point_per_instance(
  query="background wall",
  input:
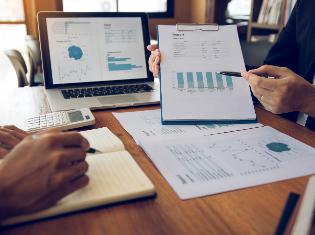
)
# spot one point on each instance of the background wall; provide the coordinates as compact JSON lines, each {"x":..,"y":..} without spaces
{"x":186,"y":11}
{"x":34,"y":6}
{"x":183,"y":14}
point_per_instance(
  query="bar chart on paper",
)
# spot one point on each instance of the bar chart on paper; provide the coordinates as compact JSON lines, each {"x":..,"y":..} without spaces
{"x":202,"y":81}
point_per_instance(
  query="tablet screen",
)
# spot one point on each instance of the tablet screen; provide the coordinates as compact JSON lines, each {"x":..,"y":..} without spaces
{"x":96,"y":49}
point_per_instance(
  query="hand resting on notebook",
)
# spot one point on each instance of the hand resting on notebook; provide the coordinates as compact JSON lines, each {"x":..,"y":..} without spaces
{"x":40,"y":170}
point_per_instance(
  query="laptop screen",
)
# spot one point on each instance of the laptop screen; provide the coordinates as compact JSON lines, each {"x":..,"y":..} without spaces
{"x":96,"y":49}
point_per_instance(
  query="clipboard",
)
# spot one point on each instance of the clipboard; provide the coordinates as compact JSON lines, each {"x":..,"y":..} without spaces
{"x":182,"y":47}
{"x":197,"y":27}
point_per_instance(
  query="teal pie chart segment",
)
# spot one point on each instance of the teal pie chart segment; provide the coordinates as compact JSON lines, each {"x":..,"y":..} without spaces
{"x":278,"y":147}
{"x":75,"y":52}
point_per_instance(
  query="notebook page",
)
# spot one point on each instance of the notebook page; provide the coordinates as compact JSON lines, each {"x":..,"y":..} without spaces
{"x":113,"y":177}
{"x":103,"y":139}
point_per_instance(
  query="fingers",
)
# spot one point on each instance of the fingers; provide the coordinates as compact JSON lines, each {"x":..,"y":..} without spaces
{"x":68,"y":174}
{"x":67,"y":189}
{"x":154,"y":62}
{"x":52,"y":197}
{"x":69,"y":156}
{"x":48,"y":131}
{"x":269,"y":70}
{"x":152,"y":47}
{"x":257,"y":81}
{"x":154,"y":54}
{"x":14,"y":134}
{"x":258,"y":86}
{"x":7,"y":139}
{"x":156,"y":66}
{"x":66,"y":139}
{"x":16,"y":131}
{"x":3,"y":152}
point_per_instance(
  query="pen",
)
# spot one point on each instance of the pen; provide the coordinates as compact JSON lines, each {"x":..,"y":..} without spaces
{"x":93,"y":150}
{"x":229,"y":73}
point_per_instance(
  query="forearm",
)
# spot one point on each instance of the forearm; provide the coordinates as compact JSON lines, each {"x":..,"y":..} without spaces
{"x":309,"y":104}
{"x":5,"y":195}
{"x":4,"y":211}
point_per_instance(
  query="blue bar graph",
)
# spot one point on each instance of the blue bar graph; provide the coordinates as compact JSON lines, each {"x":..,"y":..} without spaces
{"x":219,"y":80}
{"x":200,"y":80}
{"x":190,"y":79}
{"x":180,"y":80}
{"x":195,"y":80}
{"x":116,"y":62}
{"x":209,"y":80}
{"x":229,"y":82}
{"x":114,"y":59}
{"x":121,"y":67}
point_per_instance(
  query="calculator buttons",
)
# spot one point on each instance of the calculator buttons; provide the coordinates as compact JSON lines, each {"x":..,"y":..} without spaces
{"x":47,"y":121}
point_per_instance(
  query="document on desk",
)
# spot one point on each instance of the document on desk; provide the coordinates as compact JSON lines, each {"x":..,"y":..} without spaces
{"x":144,"y":125}
{"x":192,"y":89}
{"x":196,"y":167}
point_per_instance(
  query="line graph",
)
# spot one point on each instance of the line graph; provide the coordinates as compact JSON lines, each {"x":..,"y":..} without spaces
{"x":238,"y":156}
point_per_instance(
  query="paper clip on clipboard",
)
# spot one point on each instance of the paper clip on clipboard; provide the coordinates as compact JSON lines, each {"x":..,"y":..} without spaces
{"x":197,"y":27}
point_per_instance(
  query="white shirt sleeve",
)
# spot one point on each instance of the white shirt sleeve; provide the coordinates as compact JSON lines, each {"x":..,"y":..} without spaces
{"x":302,"y":117}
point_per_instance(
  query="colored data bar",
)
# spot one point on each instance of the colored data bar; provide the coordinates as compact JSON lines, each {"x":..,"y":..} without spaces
{"x":116,"y":62}
{"x":115,"y":59}
{"x":200,"y":80}
{"x":219,"y":80}
{"x":204,"y":80}
{"x":209,"y":80}
{"x":229,"y":82}
{"x":190,"y":79}
{"x":180,"y":80}
{"x":121,"y":67}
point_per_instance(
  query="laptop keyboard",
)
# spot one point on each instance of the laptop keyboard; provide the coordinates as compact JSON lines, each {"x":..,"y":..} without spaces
{"x":105,"y":91}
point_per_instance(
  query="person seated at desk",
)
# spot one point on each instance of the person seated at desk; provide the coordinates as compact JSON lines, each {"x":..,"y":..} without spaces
{"x":37,"y":171}
{"x":291,"y":61}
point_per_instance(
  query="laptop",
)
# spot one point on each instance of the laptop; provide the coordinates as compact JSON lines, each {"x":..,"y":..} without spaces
{"x":96,"y":60}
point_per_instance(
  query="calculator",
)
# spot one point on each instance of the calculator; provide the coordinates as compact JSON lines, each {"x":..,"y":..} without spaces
{"x":62,"y":120}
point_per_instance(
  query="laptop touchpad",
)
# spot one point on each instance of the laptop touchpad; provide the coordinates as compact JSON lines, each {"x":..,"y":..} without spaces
{"x":117,"y":99}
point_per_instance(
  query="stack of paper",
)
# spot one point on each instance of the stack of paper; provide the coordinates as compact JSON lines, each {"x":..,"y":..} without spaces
{"x":204,"y":160}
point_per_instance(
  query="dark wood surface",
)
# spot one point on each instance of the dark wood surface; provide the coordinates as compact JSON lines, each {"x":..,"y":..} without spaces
{"x":255,"y":210}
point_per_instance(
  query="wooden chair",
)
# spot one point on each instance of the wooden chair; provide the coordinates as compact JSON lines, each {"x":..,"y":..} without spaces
{"x":33,"y":49}
{"x":19,"y":65}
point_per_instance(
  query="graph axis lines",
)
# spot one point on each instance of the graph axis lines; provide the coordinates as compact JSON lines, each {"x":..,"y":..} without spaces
{"x":240,"y":155}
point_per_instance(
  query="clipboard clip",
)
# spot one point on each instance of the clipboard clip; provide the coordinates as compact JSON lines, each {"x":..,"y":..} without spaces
{"x":197,"y":27}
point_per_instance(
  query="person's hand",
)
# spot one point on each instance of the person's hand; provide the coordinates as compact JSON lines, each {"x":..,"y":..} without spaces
{"x":287,"y":92}
{"x":41,"y":170}
{"x":10,"y":136}
{"x":154,"y":60}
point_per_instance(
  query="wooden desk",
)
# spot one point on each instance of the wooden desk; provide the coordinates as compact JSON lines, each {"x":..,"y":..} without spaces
{"x":248,"y":211}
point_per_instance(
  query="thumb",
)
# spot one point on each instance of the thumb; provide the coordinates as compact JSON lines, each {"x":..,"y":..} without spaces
{"x":269,"y":71}
{"x":152,"y":47}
